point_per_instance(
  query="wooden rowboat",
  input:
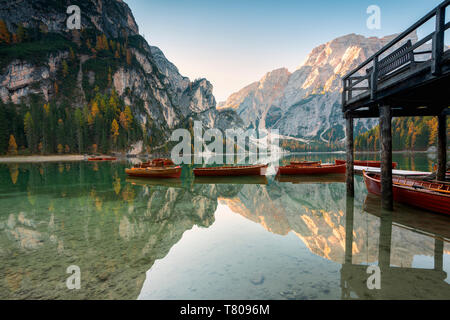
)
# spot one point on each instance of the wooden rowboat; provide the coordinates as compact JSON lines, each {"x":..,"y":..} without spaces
{"x":159,"y":162}
{"x":155,"y":172}
{"x":366,"y":163}
{"x":255,"y":170}
{"x":308,"y":169}
{"x":305,"y":163}
{"x":432,"y":196}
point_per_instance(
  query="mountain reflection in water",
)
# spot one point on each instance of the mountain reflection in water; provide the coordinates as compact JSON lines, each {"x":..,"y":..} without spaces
{"x":189,"y":239}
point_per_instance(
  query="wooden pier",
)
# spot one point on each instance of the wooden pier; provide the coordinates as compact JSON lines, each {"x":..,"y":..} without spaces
{"x":405,"y":173}
{"x":403,"y":79}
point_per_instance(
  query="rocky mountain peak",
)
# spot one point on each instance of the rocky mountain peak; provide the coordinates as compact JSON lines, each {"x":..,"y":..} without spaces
{"x":111,"y":17}
{"x":306,"y":103}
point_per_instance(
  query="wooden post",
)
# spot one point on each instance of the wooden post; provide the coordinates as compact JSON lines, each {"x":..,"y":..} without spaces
{"x":438,"y":41}
{"x":350,"y":179}
{"x":349,"y":213}
{"x":442,"y":147}
{"x":374,"y":79}
{"x":386,"y":157}
{"x":438,"y":254}
{"x":384,"y":246}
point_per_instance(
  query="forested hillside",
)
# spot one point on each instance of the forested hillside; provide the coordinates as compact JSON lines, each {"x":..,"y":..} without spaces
{"x":101,"y":88}
{"x":37,"y":125}
{"x":408,"y":133}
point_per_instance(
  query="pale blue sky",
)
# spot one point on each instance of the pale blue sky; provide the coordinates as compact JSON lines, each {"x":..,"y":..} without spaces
{"x":235,"y":42}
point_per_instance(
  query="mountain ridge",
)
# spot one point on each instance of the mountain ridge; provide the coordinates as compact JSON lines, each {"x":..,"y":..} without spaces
{"x":307,"y":103}
{"x":43,"y":61}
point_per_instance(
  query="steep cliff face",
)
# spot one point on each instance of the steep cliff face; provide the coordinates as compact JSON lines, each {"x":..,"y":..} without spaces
{"x":106,"y":55}
{"x":254,"y":101}
{"x":307,"y":103}
{"x":111,"y":17}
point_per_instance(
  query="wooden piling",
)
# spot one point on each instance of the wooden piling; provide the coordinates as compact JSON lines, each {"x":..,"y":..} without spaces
{"x":386,"y":157}
{"x":350,"y":174}
{"x":349,"y":214}
{"x":385,"y":239}
{"x":438,"y":254}
{"x":442,"y":147}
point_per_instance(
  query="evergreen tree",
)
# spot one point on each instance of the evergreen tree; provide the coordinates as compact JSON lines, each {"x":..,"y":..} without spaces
{"x":65,"y":68}
{"x":4,"y":131}
{"x":21,"y":33}
{"x":28,"y":126}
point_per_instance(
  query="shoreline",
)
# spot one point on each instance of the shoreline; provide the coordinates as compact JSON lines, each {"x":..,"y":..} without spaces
{"x":79,"y":157}
{"x":49,"y":158}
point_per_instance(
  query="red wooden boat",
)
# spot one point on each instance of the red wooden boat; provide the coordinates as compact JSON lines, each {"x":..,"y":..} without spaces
{"x":155,"y":172}
{"x":255,"y":170}
{"x":311,"y":169}
{"x":366,"y":163}
{"x":432,"y":196}
{"x":102,"y":159}
{"x":305,"y":163}
{"x":159,"y":162}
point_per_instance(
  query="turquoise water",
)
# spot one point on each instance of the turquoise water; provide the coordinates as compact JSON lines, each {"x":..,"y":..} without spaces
{"x":235,"y":239}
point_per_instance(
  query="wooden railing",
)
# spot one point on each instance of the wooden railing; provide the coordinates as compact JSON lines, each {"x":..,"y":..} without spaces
{"x":379,"y":70}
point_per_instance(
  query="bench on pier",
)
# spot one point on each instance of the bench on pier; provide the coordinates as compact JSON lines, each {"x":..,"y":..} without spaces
{"x":400,"y":57}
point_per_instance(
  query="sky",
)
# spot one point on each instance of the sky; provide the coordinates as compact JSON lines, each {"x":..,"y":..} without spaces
{"x":233,"y":43}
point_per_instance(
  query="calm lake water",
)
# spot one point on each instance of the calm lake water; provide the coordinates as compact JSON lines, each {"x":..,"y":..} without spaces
{"x":260,"y":238}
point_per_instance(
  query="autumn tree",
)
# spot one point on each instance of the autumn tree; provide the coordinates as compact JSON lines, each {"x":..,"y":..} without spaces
{"x":433,"y":124}
{"x":105,"y":42}
{"x":126,"y":118}
{"x":5,"y":36}
{"x":72,"y":54}
{"x":12,"y":148}
{"x":123,"y":120}
{"x":114,"y":130}
{"x":94,"y":109}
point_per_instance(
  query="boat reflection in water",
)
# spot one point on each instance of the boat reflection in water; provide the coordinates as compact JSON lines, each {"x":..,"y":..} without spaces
{"x":397,"y":282}
{"x":255,"y":238}
{"x":168,"y":182}
{"x":305,"y":179}
{"x":238,"y":180}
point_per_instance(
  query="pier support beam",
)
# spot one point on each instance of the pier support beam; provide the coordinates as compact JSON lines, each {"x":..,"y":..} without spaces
{"x":350,"y":174}
{"x":349,"y":214}
{"x":386,"y":157}
{"x":442,"y":147}
{"x":438,"y":254}
{"x":384,"y":246}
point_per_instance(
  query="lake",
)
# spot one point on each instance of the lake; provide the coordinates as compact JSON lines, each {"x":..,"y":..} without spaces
{"x":251,"y":238}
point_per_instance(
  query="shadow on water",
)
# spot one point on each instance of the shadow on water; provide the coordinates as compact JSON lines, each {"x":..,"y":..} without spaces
{"x":115,"y":228}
